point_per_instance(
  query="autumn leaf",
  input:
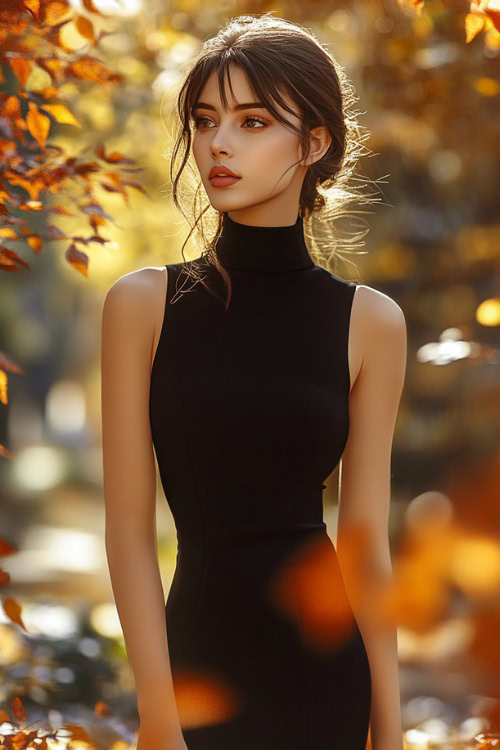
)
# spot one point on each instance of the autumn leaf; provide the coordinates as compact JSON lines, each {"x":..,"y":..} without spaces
{"x":474,"y":23}
{"x":4,"y":577}
{"x":38,"y":124}
{"x":85,"y":28}
{"x":79,"y":735}
{"x":13,"y":611}
{"x":21,"y":68}
{"x":61,"y":114}
{"x":5,"y":452}
{"x":17,"y":707}
{"x":102,"y":709}
{"x":3,"y":387}
{"x":8,"y":364}
{"x":78,"y":260}
{"x":6,"y":548}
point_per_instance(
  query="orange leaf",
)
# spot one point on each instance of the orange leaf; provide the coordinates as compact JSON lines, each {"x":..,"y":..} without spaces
{"x":114,"y":158}
{"x":21,"y":67}
{"x":79,"y":734}
{"x":6,"y":548}
{"x":17,"y":707}
{"x":102,"y":709}
{"x":3,"y":387}
{"x":38,"y":124}
{"x":13,"y":611}
{"x":11,"y":108}
{"x":4,"y":577}
{"x":85,"y":28}
{"x":5,"y":452}
{"x":89,"y":69}
{"x":61,"y":114}
{"x":4,"y":716}
{"x":55,"y":12}
{"x":78,"y":260}
{"x":35,"y":242}
{"x":10,"y":366}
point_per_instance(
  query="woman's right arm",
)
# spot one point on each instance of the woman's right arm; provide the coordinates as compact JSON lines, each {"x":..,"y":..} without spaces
{"x":128,"y":326}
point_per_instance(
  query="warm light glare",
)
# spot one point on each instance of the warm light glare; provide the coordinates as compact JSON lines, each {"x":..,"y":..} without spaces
{"x":39,"y":467}
{"x":475,"y":565}
{"x":123,"y":8}
{"x":429,"y":507}
{"x":105,"y":621}
{"x":50,"y":620}
{"x":60,"y":549}
{"x":444,"y":352}
{"x":488,"y":312}
{"x":65,"y":407}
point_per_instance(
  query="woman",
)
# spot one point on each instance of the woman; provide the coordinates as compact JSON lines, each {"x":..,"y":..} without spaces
{"x":250,"y":399}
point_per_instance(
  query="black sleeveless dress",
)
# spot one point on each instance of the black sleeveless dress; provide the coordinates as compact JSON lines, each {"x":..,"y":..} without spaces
{"x":249,"y":415}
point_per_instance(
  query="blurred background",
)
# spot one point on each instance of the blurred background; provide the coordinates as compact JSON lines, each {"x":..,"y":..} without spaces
{"x":426,"y":74}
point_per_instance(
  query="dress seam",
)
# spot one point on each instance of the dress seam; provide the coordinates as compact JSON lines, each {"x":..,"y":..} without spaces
{"x":304,"y":672}
{"x":190,"y":623}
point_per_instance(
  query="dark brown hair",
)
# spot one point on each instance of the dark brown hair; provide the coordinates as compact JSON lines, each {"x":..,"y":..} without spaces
{"x":276,"y":55}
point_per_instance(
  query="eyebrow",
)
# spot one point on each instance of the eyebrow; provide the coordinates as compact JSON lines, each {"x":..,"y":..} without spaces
{"x":238,"y":108}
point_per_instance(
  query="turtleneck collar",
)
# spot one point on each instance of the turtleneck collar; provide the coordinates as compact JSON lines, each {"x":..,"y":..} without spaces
{"x":255,"y":248}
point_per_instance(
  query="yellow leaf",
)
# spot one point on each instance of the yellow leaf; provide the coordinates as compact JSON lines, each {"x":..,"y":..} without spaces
{"x":38,"y":124}
{"x":61,"y":114}
{"x":474,"y":23}
{"x":8,"y":233}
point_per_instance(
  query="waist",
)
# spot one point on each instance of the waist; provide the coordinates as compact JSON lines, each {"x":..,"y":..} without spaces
{"x":217,"y":538}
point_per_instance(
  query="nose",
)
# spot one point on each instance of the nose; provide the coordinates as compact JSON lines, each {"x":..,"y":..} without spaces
{"x":220,"y":144}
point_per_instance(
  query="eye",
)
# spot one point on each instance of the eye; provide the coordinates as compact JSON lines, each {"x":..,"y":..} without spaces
{"x":256,"y":119}
{"x":198,"y":122}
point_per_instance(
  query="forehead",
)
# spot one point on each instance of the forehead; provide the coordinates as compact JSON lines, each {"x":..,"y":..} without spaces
{"x":240,"y":85}
{"x":242,"y":91}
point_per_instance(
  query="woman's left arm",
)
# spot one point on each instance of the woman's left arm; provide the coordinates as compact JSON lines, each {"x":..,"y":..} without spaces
{"x":378,"y":327}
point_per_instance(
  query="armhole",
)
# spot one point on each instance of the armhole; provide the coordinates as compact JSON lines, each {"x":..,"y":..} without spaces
{"x":167,"y":294}
{"x":349,"y":349}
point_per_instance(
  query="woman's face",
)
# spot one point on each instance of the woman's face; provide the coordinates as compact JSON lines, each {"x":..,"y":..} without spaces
{"x":254,"y":145}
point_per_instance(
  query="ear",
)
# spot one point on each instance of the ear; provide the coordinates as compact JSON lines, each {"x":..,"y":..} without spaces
{"x":319,"y":139}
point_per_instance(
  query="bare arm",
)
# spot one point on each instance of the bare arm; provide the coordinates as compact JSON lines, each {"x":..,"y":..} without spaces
{"x":128,"y":326}
{"x":378,"y":326}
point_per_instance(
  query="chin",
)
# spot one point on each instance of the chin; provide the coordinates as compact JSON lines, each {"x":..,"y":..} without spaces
{"x":228,"y":205}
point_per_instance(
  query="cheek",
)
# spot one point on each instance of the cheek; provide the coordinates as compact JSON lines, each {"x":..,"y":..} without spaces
{"x":272,"y":153}
{"x":195,"y":148}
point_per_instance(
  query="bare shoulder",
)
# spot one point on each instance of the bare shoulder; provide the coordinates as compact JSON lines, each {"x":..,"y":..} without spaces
{"x":137,"y":297}
{"x":378,"y":318}
{"x":136,"y":287}
{"x":133,"y":311}
{"x":378,"y":311}
{"x":379,"y":330}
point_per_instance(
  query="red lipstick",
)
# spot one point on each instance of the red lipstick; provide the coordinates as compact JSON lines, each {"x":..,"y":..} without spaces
{"x":221,"y":176}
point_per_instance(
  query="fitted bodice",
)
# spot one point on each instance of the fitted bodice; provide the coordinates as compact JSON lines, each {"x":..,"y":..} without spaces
{"x":249,"y":406}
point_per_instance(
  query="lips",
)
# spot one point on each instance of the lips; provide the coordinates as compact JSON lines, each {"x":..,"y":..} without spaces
{"x":215,"y":171}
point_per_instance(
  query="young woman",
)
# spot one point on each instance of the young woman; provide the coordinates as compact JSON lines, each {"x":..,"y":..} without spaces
{"x":253,"y":370}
